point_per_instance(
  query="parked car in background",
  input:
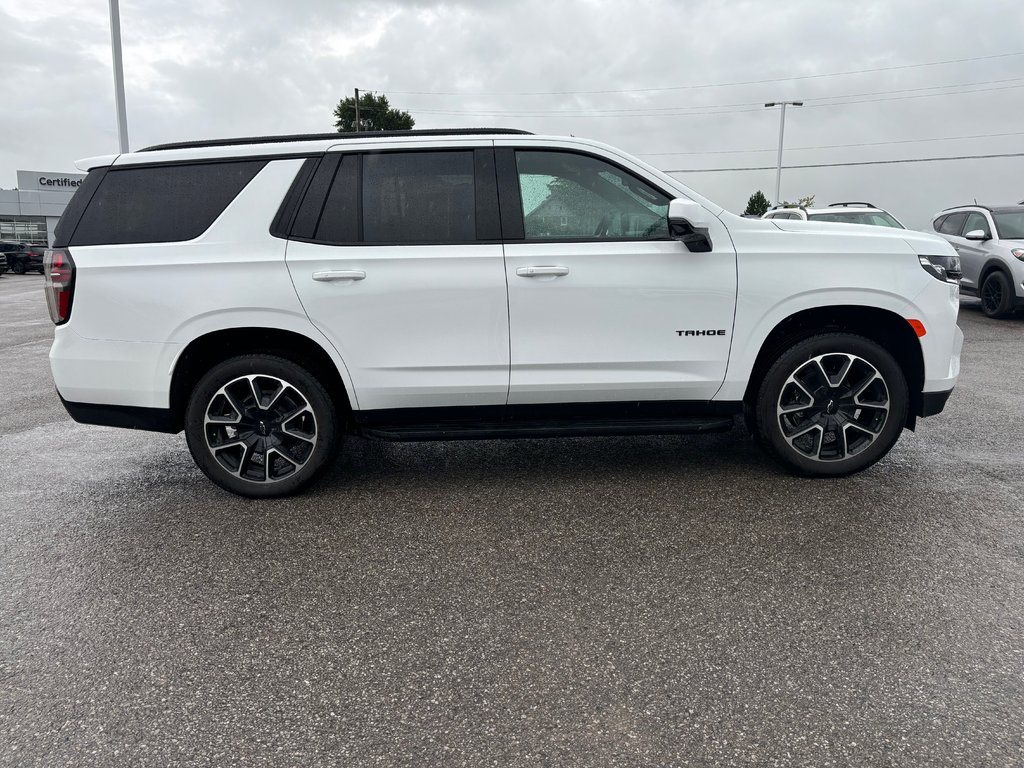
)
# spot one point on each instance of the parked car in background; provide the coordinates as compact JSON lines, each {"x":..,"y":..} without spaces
{"x":23,"y":257}
{"x":842,"y":213}
{"x":990,"y":244}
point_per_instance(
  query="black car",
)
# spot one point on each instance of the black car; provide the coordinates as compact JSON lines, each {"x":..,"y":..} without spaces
{"x":23,"y":257}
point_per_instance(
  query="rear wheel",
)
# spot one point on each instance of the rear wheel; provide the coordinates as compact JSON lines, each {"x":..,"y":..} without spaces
{"x":831,"y":405}
{"x":997,"y":295}
{"x":261,"y":426}
{"x":18,"y":267}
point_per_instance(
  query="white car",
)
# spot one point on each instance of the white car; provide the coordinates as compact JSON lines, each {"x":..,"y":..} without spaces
{"x":842,"y":213}
{"x":268,"y":296}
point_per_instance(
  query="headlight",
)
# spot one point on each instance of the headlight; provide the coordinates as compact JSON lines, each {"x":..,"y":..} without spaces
{"x":945,"y":268}
{"x":1018,"y":252}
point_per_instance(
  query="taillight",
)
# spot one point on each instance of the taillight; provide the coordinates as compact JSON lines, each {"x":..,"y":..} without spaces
{"x":59,"y":271}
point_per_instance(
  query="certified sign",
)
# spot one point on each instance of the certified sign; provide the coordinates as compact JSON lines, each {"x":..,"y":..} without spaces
{"x":44,"y":180}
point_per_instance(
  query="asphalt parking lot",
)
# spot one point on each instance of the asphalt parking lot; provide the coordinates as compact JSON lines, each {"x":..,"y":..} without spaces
{"x":608,"y":601}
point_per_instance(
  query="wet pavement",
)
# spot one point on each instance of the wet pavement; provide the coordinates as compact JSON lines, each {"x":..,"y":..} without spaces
{"x":573,"y":602}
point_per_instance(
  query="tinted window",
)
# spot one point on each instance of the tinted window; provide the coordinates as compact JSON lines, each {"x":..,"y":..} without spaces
{"x":570,"y":196}
{"x":161,"y":204}
{"x":975,"y":221}
{"x":937,"y":224}
{"x":859,"y":217}
{"x":418,"y":197}
{"x":339,"y":222}
{"x":953,"y":224}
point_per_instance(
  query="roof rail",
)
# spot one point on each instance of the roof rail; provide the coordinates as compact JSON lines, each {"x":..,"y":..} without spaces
{"x":853,"y":202}
{"x":781,"y":207}
{"x":966,"y":205}
{"x":330,"y":136}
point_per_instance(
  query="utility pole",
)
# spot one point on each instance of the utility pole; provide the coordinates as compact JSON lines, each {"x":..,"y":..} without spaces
{"x":782,"y":131}
{"x":357,"y":109}
{"x":115,"y":46}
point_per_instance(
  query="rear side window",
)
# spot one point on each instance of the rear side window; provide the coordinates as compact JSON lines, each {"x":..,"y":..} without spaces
{"x":418,"y":197}
{"x":953,"y":224}
{"x":160,"y":204}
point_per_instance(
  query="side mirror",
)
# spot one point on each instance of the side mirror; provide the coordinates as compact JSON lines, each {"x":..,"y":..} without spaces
{"x":976,"y":234}
{"x":688,"y":222}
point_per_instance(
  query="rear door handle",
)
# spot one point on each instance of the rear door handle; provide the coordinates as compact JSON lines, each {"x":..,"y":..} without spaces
{"x":330,"y":275}
{"x":542,"y":271}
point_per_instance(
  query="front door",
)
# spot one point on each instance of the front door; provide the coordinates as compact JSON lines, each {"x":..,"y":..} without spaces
{"x":603,"y":305}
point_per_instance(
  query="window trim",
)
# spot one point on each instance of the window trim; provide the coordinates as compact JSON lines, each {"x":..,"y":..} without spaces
{"x":512,"y":206}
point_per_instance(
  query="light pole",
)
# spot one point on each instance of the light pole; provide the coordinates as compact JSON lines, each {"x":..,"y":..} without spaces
{"x":115,"y":47}
{"x":782,"y":131}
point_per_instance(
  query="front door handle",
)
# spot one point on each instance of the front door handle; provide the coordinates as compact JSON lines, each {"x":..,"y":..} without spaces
{"x":542,"y":271}
{"x":330,"y":275}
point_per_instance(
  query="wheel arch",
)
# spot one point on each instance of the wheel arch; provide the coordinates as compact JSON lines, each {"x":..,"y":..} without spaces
{"x":885,"y":327}
{"x":993,"y":265}
{"x":209,"y":349}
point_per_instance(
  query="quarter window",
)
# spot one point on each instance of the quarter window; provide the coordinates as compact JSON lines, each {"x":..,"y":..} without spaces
{"x":161,"y":204}
{"x":577,"y":197}
{"x":418,"y":197}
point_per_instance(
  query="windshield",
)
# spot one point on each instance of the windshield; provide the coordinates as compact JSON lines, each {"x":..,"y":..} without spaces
{"x":1010,"y":226}
{"x":874,"y":218}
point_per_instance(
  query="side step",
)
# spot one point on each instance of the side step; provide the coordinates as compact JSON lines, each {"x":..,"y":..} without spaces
{"x":523,"y":429}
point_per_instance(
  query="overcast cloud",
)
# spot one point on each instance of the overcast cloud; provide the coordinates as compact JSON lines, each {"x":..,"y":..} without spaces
{"x":227,"y":67}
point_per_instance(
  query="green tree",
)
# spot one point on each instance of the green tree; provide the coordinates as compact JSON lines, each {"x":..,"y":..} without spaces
{"x":757,"y":205}
{"x":804,"y":202}
{"x":375,"y":114}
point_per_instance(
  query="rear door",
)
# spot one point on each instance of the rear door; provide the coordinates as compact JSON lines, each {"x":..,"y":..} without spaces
{"x":952,"y":227}
{"x":603,"y":305}
{"x":397,"y":259}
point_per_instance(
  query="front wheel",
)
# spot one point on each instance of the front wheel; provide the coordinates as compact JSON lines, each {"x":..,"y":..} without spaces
{"x":997,"y":295}
{"x":831,"y":405}
{"x":18,"y":267}
{"x":261,"y":426}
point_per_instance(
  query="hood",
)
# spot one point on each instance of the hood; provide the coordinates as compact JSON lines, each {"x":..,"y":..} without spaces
{"x":923,"y":243}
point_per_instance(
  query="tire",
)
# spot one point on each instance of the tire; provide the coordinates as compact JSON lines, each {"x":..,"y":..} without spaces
{"x":831,"y":405}
{"x":18,"y":267}
{"x":997,"y":297}
{"x":261,"y":426}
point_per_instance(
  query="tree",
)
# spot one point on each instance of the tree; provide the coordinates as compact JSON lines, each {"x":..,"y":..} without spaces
{"x":757,"y":205}
{"x":804,"y":202}
{"x":375,"y":114}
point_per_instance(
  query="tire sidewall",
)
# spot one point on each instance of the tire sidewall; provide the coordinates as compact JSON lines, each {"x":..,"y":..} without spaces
{"x":1004,"y":306}
{"x":770,"y":432}
{"x":328,"y":426}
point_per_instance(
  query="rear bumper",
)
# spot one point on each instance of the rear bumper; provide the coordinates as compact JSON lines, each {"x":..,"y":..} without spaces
{"x":123,"y":416}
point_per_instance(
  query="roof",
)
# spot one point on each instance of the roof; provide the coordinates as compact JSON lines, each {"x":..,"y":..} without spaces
{"x":245,"y":140}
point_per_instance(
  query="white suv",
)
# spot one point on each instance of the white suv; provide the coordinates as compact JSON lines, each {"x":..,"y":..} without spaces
{"x":842,"y":213}
{"x":268,"y":296}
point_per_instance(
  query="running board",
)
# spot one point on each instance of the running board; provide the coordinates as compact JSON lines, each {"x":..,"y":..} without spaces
{"x":524,"y":429}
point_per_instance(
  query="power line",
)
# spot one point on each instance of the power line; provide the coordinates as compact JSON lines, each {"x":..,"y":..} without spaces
{"x":758,"y":103}
{"x":709,"y":85}
{"x":843,"y":165}
{"x":652,"y":113}
{"x":832,"y":146}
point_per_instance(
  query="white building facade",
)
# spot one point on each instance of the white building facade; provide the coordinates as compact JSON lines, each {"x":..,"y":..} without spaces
{"x":30,"y":212}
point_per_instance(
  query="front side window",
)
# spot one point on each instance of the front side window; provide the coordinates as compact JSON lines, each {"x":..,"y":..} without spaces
{"x":977,"y":221}
{"x":578,"y":197}
{"x":418,"y":197}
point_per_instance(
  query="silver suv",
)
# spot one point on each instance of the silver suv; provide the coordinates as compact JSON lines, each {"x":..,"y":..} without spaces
{"x":990,"y":242}
{"x":842,"y":213}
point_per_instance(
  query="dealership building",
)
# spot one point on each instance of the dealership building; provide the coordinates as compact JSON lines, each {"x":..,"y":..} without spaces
{"x":29,"y":213}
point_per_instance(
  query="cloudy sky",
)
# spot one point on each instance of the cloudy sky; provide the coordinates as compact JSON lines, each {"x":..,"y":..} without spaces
{"x":669,"y":81}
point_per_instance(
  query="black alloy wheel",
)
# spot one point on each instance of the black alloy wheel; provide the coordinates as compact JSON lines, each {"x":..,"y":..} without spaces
{"x":996,"y":295}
